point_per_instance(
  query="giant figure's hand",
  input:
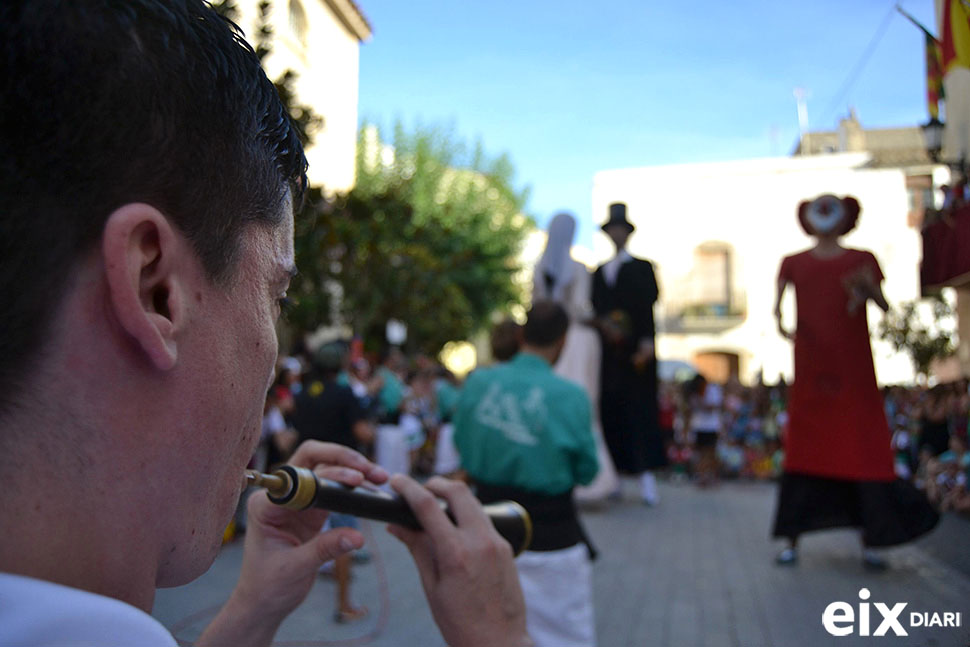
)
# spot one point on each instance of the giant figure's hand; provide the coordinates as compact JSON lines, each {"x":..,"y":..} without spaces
{"x":644,"y":355}
{"x":284,"y":549}
{"x":861,"y":286}
{"x":466,"y":567}
{"x":784,"y":332}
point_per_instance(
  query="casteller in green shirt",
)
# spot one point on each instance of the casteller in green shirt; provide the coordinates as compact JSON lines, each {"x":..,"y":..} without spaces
{"x":392,"y":393}
{"x":520,"y":425}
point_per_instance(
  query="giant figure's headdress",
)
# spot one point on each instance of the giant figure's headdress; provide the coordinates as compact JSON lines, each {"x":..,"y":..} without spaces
{"x":829,"y":214}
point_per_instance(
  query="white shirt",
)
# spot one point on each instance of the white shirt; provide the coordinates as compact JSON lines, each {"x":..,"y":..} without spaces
{"x":612,"y":268}
{"x":706,"y":414}
{"x":35,"y":612}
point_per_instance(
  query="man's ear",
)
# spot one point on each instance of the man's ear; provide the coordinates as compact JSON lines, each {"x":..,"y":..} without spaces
{"x":141,"y":252}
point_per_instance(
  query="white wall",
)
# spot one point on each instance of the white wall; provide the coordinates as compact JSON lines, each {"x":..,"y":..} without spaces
{"x":327,"y":64}
{"x":752,"y":206}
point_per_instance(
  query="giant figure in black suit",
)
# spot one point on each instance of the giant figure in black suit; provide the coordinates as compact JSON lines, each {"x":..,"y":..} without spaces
{"x":624,"y":291}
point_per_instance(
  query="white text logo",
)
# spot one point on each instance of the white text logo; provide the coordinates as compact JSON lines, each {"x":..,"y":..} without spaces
{"x":842,"y":619}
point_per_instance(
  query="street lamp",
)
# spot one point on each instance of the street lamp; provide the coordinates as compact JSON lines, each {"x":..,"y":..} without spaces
{"x":933,"y":137}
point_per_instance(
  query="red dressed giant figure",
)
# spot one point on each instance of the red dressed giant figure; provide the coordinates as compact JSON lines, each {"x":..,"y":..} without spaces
{"x":838,"y":461}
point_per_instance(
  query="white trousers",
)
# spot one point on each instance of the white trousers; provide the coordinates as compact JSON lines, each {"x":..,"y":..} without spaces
{"x":446,"y":458}
{"x":558,"y":589}
{"x":391,"y":451}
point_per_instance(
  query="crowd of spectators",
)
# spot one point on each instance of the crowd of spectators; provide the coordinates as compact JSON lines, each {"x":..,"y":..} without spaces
{"x":398,"y":411}
{"x":930,"y":429}
{"x":717,"y":431}
{"x":712,"y":431}
{"x":403,"y":406}
{"x":393,"y":409}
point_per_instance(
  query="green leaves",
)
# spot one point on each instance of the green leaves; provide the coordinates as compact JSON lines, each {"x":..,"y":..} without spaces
{"x":430,"y":236}
{"x":923,"y":329}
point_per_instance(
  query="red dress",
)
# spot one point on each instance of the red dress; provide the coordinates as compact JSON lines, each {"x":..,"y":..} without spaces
{"x":837,"y":425}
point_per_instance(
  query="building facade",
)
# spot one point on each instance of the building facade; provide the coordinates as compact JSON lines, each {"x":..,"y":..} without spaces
{"x":717,"y":233}
{"x":318,"y":40}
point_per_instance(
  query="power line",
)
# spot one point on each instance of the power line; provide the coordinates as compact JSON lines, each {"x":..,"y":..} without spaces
{"x":854,"y":74}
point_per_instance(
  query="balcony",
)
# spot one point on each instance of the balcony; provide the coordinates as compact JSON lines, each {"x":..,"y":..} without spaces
{"x":946,"y":251}
{"x":703,"y":316}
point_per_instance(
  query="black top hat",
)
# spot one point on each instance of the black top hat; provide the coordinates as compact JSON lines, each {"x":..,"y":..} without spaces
{"x":618,"y":217}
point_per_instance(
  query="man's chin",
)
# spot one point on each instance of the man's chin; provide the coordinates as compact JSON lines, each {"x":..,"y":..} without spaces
{"x":194,"y":562}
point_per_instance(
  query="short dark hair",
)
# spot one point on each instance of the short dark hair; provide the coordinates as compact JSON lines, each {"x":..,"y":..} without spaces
{"x":106,"y":103}
{"x":329,"y":358}
{"x":505,"y":340}
{"x":546,"y":324}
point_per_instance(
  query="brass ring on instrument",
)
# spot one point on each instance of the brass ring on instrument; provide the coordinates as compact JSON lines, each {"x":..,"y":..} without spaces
{"x":306,"y":489}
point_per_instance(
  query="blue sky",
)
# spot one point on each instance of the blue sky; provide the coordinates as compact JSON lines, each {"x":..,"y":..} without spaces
{"x":570,"y":88}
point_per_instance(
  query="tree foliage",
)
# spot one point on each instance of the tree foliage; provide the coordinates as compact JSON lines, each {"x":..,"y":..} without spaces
{"x":922,"y":329}
{"x":430,"y":236}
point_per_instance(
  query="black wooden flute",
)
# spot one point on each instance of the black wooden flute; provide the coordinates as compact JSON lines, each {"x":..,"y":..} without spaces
{"x":298,"y":488}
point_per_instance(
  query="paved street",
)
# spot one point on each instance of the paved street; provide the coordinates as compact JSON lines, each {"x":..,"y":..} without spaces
{"x":697,"y":570}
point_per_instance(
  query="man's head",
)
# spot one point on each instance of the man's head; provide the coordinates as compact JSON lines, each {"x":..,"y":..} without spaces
{"x":505,"y":340}
{"x":545,"y":329}
{"x":330,"y":358}
{"x":360,"y":368}
{"x":148,"y":177}
{"x":618,"y":234}
{"x":108,"y":103}
{"x":393,"y":358}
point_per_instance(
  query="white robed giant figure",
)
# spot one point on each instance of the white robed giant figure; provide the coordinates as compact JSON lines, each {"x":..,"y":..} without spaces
{"x":560,"y":278}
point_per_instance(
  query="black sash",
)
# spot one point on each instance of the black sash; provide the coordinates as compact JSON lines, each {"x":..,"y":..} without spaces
{"x":555,"y":519}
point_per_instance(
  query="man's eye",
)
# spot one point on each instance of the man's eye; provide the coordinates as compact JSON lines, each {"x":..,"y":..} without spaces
{"x":285,"y":304}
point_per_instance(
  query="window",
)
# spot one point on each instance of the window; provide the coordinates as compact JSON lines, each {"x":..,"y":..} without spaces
{"x":706,"y":298}
{"x":710,"y":281}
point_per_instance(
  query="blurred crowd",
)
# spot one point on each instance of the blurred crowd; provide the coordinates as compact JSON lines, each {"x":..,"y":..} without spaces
{"x":719,"y":431}
{"x":401,"y":407}
{"x":398,"y":411}
{"x":731,"y":431}
{"x":929,"y":429}
{"x":716,"y":431}
{"x":712,"y":431}
{"x":404,"y":408}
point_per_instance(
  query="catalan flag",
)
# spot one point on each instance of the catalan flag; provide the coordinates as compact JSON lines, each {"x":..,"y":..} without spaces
{"x":934,"y":66}
{"x":956,"y":34}
{"x":934,"y":75}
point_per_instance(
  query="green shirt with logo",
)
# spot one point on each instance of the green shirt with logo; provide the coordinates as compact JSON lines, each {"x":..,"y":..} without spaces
{"x":520,"y":425}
